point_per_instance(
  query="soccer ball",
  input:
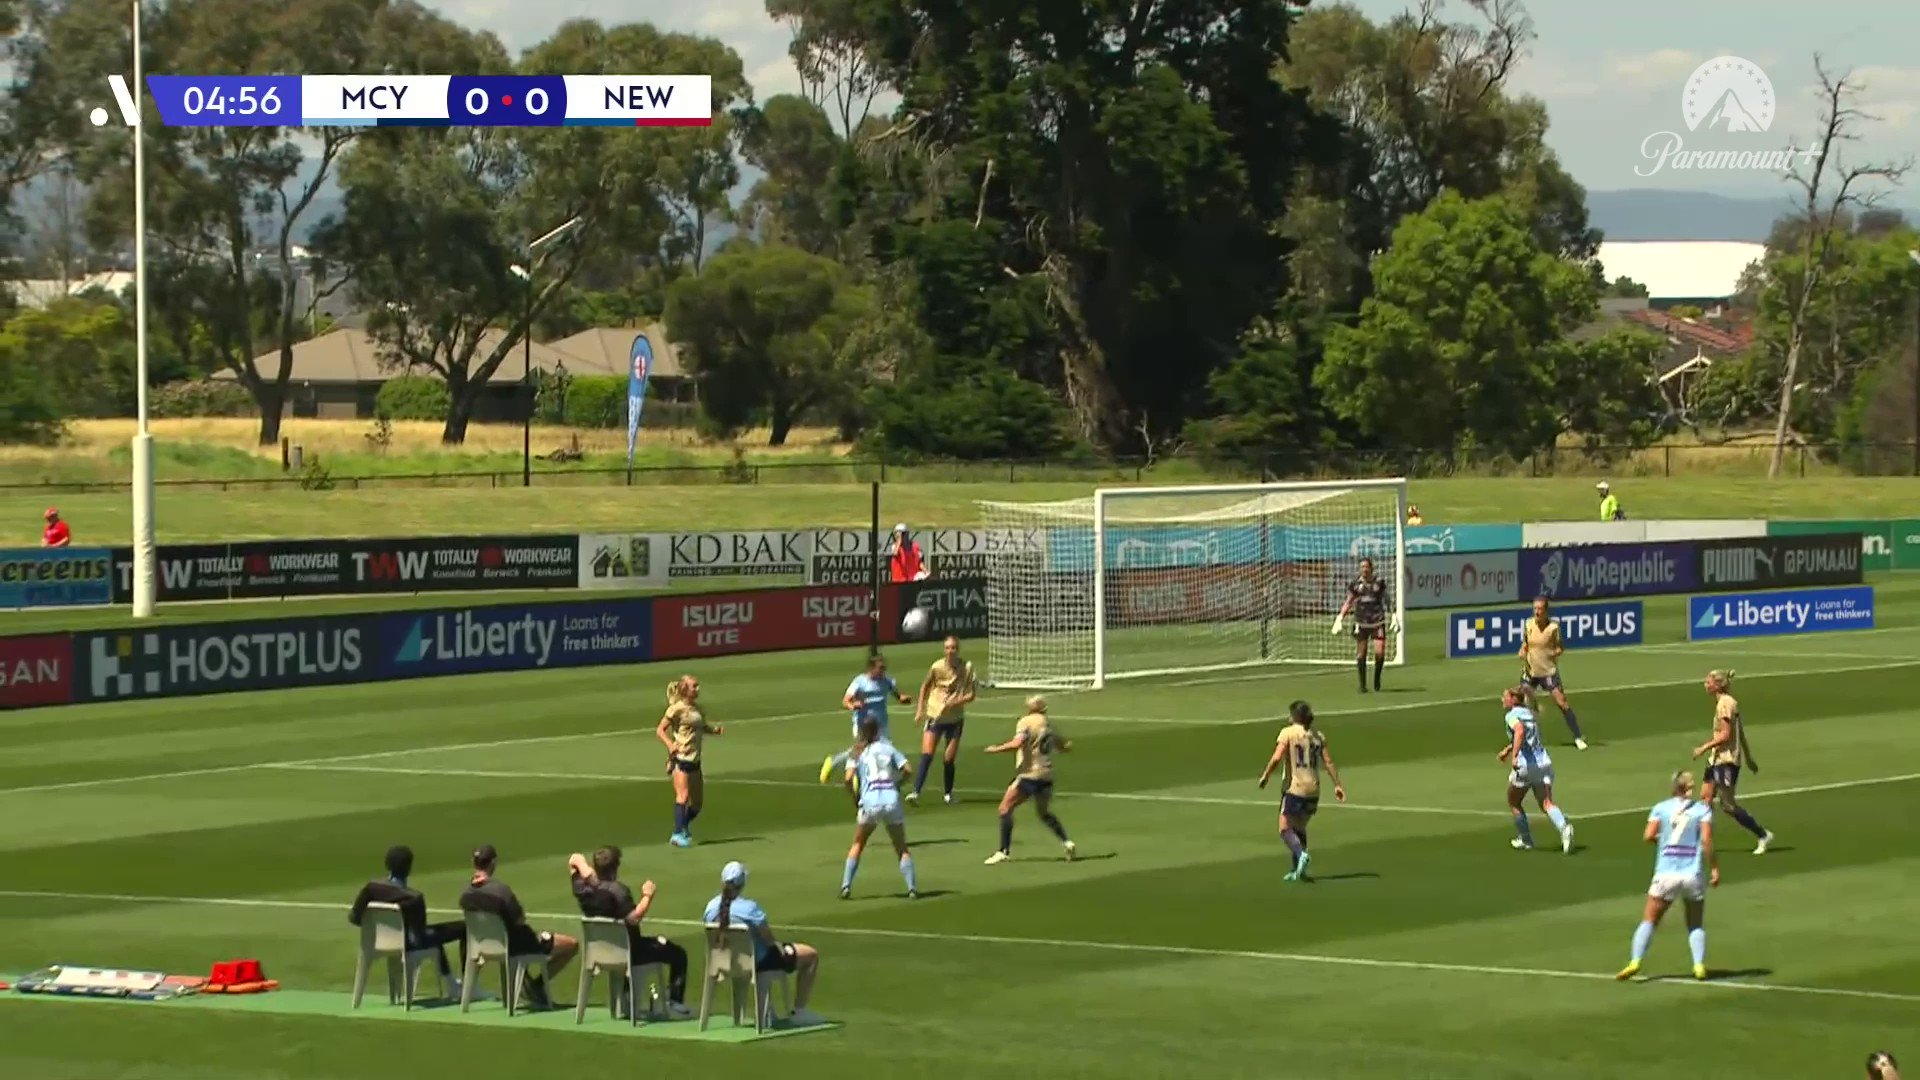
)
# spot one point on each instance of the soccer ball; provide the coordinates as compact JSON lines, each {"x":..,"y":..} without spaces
{"x":914,"y":625}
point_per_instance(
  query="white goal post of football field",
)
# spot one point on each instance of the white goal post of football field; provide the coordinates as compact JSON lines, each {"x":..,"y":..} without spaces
{"x":1143,"y":581}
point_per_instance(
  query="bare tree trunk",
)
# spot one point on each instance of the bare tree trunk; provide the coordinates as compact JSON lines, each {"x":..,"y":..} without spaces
{"x":1839,"y":121}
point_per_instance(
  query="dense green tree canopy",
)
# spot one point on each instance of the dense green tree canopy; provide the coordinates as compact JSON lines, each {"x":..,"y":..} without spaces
{"x":1458,"y":344}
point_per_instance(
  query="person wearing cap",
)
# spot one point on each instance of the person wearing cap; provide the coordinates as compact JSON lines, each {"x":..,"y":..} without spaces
{"x":492,"y":896}
{"x":602,"y":895}
{"x":769,"y":953}
{"x":56,"y":533}
{"x":421,"y":934}
{"x":1609,"y":504}
{"x":1413,"y":515}
{"x":904,"y":562}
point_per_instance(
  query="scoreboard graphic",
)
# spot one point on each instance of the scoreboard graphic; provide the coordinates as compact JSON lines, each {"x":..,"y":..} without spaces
{"x":429,"y":100}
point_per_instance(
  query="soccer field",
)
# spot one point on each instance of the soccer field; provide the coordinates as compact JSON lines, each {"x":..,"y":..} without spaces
{"x":174,"y":833}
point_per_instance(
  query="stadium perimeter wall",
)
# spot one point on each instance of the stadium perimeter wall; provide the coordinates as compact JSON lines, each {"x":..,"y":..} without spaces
{"x":1581,"y":561}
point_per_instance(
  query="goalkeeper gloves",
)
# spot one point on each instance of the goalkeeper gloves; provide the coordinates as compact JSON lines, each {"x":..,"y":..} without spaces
{"x":1337,"y":620}
{"x":1394,"y":622}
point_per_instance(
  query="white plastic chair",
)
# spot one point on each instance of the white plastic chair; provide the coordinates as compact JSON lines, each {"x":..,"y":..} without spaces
{"x":606,"y":949}
{"x":487,"y":941}
{"x":730,"y":959}
{"x":383,"y":933}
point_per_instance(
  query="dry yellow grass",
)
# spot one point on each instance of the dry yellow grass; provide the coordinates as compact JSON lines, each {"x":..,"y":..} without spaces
{"x":328,"y":437}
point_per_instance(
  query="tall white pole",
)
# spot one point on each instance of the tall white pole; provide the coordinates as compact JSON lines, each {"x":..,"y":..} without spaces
{"x":143,"y":554}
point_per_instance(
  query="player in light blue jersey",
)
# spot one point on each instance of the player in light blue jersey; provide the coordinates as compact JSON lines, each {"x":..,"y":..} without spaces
{"x":1532,"y":771}
{"x":1686,"y":867}
{"x":867,"y":696}
{"x":874,"y":773}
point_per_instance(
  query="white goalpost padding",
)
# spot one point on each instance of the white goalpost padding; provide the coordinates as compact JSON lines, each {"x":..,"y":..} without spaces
{"x":1166,"y":580}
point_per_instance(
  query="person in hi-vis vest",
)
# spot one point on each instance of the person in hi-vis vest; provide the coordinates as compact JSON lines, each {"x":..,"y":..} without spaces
{"x":1609,"y":505}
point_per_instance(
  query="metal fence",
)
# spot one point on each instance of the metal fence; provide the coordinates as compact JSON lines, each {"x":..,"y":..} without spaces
{"x":1729,"y":459}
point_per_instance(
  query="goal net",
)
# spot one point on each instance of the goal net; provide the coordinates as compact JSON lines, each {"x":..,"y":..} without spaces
{"x":1164,"y":580}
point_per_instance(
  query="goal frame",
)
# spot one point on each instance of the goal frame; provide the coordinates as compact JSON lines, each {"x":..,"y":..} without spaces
{"x":1102,"y":496}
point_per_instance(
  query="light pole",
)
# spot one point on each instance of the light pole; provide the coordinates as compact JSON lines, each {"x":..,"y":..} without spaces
{"x":144,"y":578}
{"x":535,"y":252}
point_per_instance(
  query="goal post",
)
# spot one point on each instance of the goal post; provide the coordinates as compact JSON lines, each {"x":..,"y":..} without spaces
{"x":1132,"y":582}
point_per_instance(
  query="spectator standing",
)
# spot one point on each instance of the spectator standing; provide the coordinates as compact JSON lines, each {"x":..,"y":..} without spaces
{"x":56,"y":534}
{"x":904,"y":560}
{"x":602,"y":895}
{"x":421,"y":934}
{"x":491,"y":895}
{"x":1609,"y":504}
{"x":1413,"y":515}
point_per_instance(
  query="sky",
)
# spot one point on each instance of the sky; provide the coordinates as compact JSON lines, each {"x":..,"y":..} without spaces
{"x":1611,"y":74}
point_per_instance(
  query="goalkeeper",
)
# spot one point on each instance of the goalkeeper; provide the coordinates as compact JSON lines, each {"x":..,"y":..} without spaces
{"x":1367,"y":602}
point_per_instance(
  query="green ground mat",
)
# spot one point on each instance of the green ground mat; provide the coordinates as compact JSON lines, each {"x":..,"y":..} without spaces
{"x":485,"y":1013}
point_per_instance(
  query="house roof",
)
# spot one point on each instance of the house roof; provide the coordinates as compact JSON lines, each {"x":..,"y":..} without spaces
{"x":350,"y":356}
{"x":1681,"y":269}
{"x":605,"y":351}
{"x":1712,"y":340}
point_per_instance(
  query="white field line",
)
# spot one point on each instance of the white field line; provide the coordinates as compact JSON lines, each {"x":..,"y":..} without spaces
{"x":754,"y":781}
{"x":1426,"y":703}
{"x":1118,"y":796}
{"x":1806,"y":789}
{"x":1324,"y":960}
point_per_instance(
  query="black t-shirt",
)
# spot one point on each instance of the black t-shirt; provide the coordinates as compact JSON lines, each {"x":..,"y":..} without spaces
{"x":607,"y":900}
{"x":493,"y":897}
{"x":413,"y":905}
{"x":1369,"y":601}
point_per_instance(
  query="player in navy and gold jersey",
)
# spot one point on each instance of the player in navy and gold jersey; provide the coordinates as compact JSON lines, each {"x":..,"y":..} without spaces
{"x":1540,"y":650}
{"x":944,"y":695}
{"x":1368,"y":601}
{"x":683,"y":729}
{"x":1726,"y":752}
{"x":1303,"y":752}
{"x":1036,"y":739}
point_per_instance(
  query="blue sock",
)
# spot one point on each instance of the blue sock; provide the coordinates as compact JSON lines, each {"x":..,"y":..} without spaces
{"x":1573,"y":723}
{"x":1006,"y":832}
{"x":680,"y":818}
{"x":846,"y":875}
{"x":906,"y":871}
{"x":946,"y":768}
{"x":1697,"y":944}
{"x":1642,"y":937}
{"x":1554,"y":815}
{"x":920,"y":775}
{"x":693,"y":814}
{"x":1746,"y":821}
{"x":1520,"y":826}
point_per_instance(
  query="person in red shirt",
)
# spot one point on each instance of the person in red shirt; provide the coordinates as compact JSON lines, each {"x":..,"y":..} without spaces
{"x":904,"y":562}
{"x":56,"y":534}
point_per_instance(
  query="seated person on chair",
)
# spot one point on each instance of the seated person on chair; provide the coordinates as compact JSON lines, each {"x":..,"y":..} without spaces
{"x":421,"y":934}
{"x":602,"y":895}
{"x":730,"y":908}
{"x":490,"y":895}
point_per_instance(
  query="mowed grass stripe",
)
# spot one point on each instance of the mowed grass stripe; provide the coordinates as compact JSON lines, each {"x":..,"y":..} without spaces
{"x":560,"y":918}
{"x":29,"y":766}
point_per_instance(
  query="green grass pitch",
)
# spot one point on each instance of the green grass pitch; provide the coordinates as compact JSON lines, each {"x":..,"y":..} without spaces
{"x":171,"y":834}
